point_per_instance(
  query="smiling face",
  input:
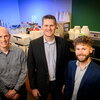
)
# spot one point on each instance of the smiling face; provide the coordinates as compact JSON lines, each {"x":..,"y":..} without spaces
{"x":4,"y":38}
{"x":49,"y":27}
{"x":83,"y":52}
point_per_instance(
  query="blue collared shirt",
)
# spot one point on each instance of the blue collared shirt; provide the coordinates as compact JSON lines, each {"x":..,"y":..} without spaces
{"x":50,"y":51}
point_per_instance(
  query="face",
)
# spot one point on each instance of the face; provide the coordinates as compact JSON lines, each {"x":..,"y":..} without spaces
{"x":48,"y":27}
{"x":83,"y":52}
{"x":4,"y":38}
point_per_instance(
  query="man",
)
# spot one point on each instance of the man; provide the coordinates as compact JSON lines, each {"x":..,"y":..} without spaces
{"x":12,"y":69}
{"x":83,"y":77}
{"x":47,"y":58}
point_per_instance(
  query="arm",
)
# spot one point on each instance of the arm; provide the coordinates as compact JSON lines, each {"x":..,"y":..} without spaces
{"x":3,"y":88}
{"x":5,"y":91}
{"x":32,"y":73}
{"x":12,"y":93}
{"x":36,"y":93}
{"x":67,"y":59}
{"x":69,"y":83}
{"x":31,"y":67}
{"x":22,"y":76}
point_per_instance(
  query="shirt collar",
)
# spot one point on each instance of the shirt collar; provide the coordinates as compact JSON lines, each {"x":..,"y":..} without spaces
{"x":11,"y":48}
{"x":51,"y":42}
{"x":77,"y":63}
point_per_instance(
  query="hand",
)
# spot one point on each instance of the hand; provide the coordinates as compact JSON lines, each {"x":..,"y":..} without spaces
{"x":10,"y":93}
{"x":36,"y":93}
{"x":16,"y":97}
{"x":63,"y":88}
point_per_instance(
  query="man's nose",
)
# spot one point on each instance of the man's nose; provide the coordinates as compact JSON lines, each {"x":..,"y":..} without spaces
{"x":49,"y":27}
{"x":80,"y":51}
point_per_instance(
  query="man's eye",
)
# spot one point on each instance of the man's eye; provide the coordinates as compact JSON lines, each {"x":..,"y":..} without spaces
{"x":77,"y":49}
{"x":46,"y":25}
{"x":6,"y":36}
{"x":84,"y":49}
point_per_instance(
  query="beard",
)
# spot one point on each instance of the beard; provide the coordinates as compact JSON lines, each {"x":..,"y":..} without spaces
{"x":83,"y":59}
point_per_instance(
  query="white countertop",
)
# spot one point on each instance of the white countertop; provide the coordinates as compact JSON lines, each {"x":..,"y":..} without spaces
{"x":24,"y":39}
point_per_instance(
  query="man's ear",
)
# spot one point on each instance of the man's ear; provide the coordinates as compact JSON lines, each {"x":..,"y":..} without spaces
{"x":92,"y":50}
{"x":56,"y":27}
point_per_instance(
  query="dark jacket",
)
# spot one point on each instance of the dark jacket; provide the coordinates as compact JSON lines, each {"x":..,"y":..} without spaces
{"x":90,"y":85}
{"x":37,"y":64}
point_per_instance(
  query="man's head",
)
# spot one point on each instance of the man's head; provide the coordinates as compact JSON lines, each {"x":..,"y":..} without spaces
{"x":49,"y":25}
{"x":4,"y":37}
{"x":49,"y":17}
{"x":83,"y":48}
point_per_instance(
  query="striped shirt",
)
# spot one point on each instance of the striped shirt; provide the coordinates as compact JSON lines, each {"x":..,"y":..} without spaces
{"x":50,"y":51}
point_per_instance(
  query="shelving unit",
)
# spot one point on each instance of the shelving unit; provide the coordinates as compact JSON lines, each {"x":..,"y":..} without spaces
{"x":66,"y":26}
{"x":62,"y":28}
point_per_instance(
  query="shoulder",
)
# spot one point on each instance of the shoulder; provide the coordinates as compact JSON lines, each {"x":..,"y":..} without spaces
{"x":38,"y":40}
{"x":16,"y":49}
{"x":96,"y":70}
{"x":72,"y":62}
{"x":95,"y":66}
{"x":36,"y":44}
{"x":60,"y":39}
{"x":72,"y":65}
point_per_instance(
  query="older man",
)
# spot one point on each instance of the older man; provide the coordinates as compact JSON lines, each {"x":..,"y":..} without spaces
{"x":12,"y":68}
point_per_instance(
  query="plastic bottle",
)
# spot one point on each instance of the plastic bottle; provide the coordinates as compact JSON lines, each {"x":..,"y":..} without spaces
{"x":77,"y":33}
{"x":71,"y":34}
{"x":85,"y":31}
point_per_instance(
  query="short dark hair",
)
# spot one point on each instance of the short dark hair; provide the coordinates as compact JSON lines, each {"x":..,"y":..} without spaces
{"x":84,"y":40}
{"x":49,"y":17}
